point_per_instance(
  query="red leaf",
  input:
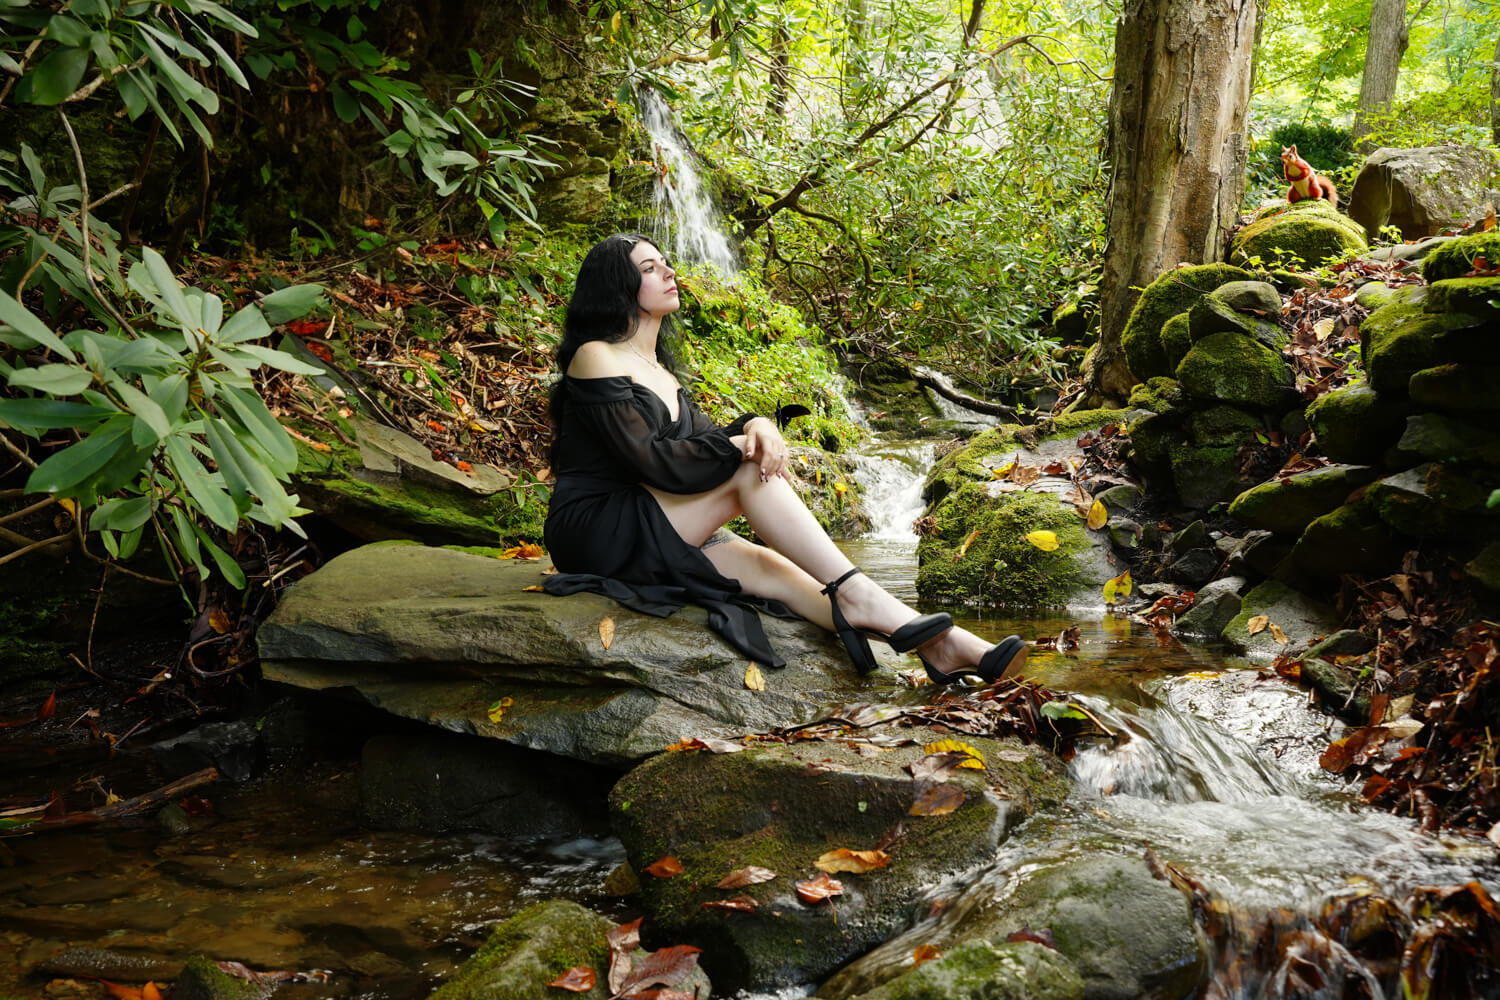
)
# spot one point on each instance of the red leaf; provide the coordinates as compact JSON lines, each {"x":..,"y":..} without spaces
{"x":49,"y":707}
{"x":664,"y":967}
{"x":1042,"y":937}
{"x":579,"y":979}
{"x":666,"y":867}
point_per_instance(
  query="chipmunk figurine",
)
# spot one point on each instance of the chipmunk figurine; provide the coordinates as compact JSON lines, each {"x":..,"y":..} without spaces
{"x":1305,"y":183}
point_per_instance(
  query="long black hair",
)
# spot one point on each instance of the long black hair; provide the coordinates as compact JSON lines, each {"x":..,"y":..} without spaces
{"x":605,"y":306}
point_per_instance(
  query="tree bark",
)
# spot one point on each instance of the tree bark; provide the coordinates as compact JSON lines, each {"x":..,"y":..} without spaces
{"x":1388,"y":41}
{"x":781,"y":77}
{"x":1495,"y":96}
{"x":1177,"y":147}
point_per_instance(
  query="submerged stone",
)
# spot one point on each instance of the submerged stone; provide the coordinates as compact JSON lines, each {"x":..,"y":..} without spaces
{"x":1237,"y":370}
{"x":1287,"y":506}
{"x":1174,"y":292}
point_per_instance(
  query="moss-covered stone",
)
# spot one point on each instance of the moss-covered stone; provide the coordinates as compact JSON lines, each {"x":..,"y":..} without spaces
{"x":1000,"y":567}
{"x":1455,"y":258}
{"x":1351,"y":538}
{"x":984,"y":970}
{"x":1176,"y":339}
{"x":1405,"y":503}
{"x":1476,"y":296}
{"x":1302,"y":620}
{"x":1355,"y":425}
{"x":781,"y":807}
{"x":530,"y":950}
{"x":1211,"y":315}
{"x":202,"y":979}
{"x":1235,"y":369}
{"x":1457,"y":387}
{"x":1221,"y":425}
{"x":1287,"y":506}
{"x":1158,"y":394}
{"x":995,"y":447}
{"x":1397,"y":341}
{"x":1339,"y":688}
{"x":1174,"y":292}
{"x":1374,"y":295}
{"x":1152,"y":441}
{"x":1484,"y":569}
{"x":1206,"y":475}
{"x":1308,"y":233}
{"x":1442,"y":438}
{"x":1258,"y":298}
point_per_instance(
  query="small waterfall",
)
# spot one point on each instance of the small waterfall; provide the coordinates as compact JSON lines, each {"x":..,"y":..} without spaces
{"x":684,"y":218}
{"x":892,"y":481}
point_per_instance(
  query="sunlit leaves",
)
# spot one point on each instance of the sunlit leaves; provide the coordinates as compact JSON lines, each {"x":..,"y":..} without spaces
{"x":925,"y":953}
{"x":845,"y":860}
{"x":1043,"y":539}
{"x":606,"y":631}
{"x":969,"y":757}
{"x":579,"y":979}
{"x":1098,"y":515}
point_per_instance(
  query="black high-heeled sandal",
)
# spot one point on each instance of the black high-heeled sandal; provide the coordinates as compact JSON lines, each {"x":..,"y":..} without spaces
{"x":920,"y":630}
{"x":1008,"y":652}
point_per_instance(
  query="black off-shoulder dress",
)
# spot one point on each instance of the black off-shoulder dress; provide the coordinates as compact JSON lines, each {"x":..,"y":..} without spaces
{"x":608,"y":535}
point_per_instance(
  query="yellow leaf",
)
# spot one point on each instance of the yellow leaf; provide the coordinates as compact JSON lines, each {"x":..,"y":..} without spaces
{"x":840,"y":488}
{"x":845,"y":860}
{"x":1044,"y":540}
{"x":754,"y":679}
{"x":1201,"y":675}
{"x":1323,"y":328}
{"x":614,"y":23}
{"x":535,"y":588}
{"x":1098,"y":515}
{"x":529,"y":550}
{"x":1117,"y":588}
{"x":1003,"y":470}
{"x":1258,"y":624}
{"x":219,"y":621}
{"x":68,"y":505}
{"x":607,"y":630}
{"x":964,"y":548}
{"x":818,"y":476}
{"x":496,"y":711}
{"x":975,"y":761}
{"x":1276,"y":633}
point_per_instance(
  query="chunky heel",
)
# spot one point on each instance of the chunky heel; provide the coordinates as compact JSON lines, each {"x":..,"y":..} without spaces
{"x":855,"y":643}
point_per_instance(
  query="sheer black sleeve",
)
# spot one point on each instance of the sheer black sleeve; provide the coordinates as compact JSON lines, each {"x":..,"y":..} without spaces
{"x":635,"y":428}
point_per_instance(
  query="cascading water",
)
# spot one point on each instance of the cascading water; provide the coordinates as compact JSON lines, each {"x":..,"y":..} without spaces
{"x":684,"y":218}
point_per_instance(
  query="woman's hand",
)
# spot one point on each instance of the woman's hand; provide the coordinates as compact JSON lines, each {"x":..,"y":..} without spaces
{"x":764,"y":444}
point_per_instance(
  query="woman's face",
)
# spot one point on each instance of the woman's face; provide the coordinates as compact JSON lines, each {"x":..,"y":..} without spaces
{"x":658,"y":294}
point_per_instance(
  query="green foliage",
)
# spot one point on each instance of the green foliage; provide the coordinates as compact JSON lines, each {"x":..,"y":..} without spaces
{"x":1457,"y":115}
{"x":1328,"y":148}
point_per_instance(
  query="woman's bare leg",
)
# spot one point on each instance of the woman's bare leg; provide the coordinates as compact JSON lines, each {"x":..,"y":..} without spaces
{"x":805,"y":559}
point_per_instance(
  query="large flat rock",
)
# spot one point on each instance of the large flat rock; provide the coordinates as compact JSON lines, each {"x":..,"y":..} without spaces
{"x":440,"y":636}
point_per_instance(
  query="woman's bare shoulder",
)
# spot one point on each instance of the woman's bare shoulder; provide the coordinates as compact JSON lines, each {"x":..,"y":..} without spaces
{"x":595,"y":359}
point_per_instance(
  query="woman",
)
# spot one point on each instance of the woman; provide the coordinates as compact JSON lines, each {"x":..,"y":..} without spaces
{"x":645,"y":484}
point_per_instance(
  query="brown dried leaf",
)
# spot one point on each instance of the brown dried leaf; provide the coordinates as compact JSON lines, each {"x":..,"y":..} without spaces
{"x":606,"y":630}
{"x":579,"y":979}
{"x":818,"y":888}
{"x":937,"y":800}
{"x":663,"y":967}
{"x":925,"y":953}
{"x":1258,"y":624}
{"x":1276,"y":633}
{"x":741,"y":877}
{"x":667,"y":867}
{"x":845,"y":860}
{"x":737,"y":904}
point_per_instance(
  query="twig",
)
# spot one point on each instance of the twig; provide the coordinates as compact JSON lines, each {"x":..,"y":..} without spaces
{"x":17,"y":515}
{"x":21,"y":71}
{"x":17,"y":451}
{"x":83,"y":222}
{"x":129,"y":807}
{"x":44,"y":543}
{"x":88,"y":89}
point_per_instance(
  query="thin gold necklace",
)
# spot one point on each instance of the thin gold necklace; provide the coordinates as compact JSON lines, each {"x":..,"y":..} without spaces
{"x":650,"y":361}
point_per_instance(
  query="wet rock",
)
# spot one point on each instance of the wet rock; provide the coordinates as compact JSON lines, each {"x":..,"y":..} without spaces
{"x":1484,"y":569}
{"x":202,"y":979}
{"x":1260,"y":552}
{"x":1193,"y":536}
{"x":232,"y":747}
{"x":441,"y":782}
{"x":1174,"y":292}
{"x":1124,"y":533}
{"x":1344,"y":642}
{"x":102,"y":963}
{"x":173,"y":820}
{"x":1338,"y":688}
{"x":1422,"y":191}
{"x":1301,"y":618}
{"x":782,"y":807}
{"x":1355,"y":426}
{"x":1216,"y":605}
{"x":984,"y":970}
{"x":214,"y":872}
{"x":1120,"y":499}
{"x":439,"y":636}
{"x":1130,"y":935}
{"x":1306,"y":233}
{"x":1239,"y":371}
{"x":1287,"y":506}
{"x":1349,"y":539}
{"x":1447,"y":439}
{"x":1195,"y":567}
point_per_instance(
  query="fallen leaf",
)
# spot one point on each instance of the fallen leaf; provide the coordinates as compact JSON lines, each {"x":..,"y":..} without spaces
{"x":49,"y":707}
{"x":937,"y":800}
{"x":121,"y":992}
{"x":1098,"y":516}
{"x":497,"y":708}
{"x":818,"y":888}
{"x":710,"y":743}
{"x":737,"y":904}
{"x":150,"y":991}
{"x":925,"y":953}
{"x":975,"y":761}
{"x":1323,"y":328}
{"x":663,"y":967}
{"x":754,"y":679}
{"x":535,"y":588}
{"x":1042,"y":937}
{"x":606,"y":630}
{"x":218,"y":620}
{"x":1044,"y":540}
{"x":579,"y":979}
{"x":741,"y":877}
{"x":666,"y":867}
{"x":1276,"y":633}
{"x":1117,"y":588}
{"x":964,"y":548}
{"x":845,"y":860}
{"x":1258,"y":624}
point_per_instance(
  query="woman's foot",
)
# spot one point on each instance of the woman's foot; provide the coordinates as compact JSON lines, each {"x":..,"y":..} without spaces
{"x":961,"y":653}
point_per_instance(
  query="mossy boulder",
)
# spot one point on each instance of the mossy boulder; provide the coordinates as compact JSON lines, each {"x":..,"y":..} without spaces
{"x":1158,"y":394}
{"x":1204,"y":475}
{"x":1442,"y":438}
{"x":1395,"y":342}
{"x":1302,"y":619}
{"x":984,"y":970}
{"x":202,"y":979}
{"x":1174,"y":292}
{"x":1457,"y":387}
{"x":1373,"y":295}
{"x":1234,"y":369}
{"x":1212,"y":314}
{"x":1177,"y":339}
{"x":1128,"y":933}
{"x":1455,"y":258}
{"x":1258,"y":298}
{"x":1356,"y":425}
{"x":1221,"y":425}
{"x":977,"y":551}
{"x":1410,"y":503}
{"x":1484,"y":569}
{"x":781,"y":807}
{"x":1153,"y":438}
{"x":1350,"y":539}
{"x":1306,"y":234}
{"x":1287,"y":506}
{"x":1478,"y":296}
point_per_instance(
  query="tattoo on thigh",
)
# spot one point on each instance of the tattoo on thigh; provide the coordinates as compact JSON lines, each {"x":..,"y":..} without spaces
{"x":717,"y":538}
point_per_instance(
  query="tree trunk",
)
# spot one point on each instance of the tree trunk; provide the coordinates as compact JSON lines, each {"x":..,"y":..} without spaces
{"x":781,"y":78}
{"x":1388,"y":41}
{"x":1178,"y":150}
{"x":1495,"y":96}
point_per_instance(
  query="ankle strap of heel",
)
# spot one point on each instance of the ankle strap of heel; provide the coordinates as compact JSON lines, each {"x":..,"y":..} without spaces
{"x":833,"y":587}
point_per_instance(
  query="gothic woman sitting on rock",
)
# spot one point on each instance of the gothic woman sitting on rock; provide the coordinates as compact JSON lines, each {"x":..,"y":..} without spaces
{"x":646,"y":483}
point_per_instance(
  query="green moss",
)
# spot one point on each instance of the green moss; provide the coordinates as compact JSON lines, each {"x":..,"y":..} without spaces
{"x":1174,"y":292}
{"x":1355,"y":424}
{"x":531,"y":949}
{"x":202,"y":979}
{"x":1153,"y":439}
{"x":999,"y":567}
{"x":1158,"y":394}
{"x":1206,"y":475}
{"x":1456,"y":387}
{"x":1234,"y":369}
{"x":1077,"y":422}
{"x":1288,"y":506}
{"x":1308,"y":233}
{"x":1221,"y":425}
{"x":1349,"y":539}
{"x":1455,"y":258}
{"x":1176,"y":339}
{"x":25,"y":646}
{"x":1478,"y":297}
{"x":984,"y":970}
{"x":993,"y":448}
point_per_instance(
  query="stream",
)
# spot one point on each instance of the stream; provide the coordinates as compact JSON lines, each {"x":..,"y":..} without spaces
{"x":1220,"y":779}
